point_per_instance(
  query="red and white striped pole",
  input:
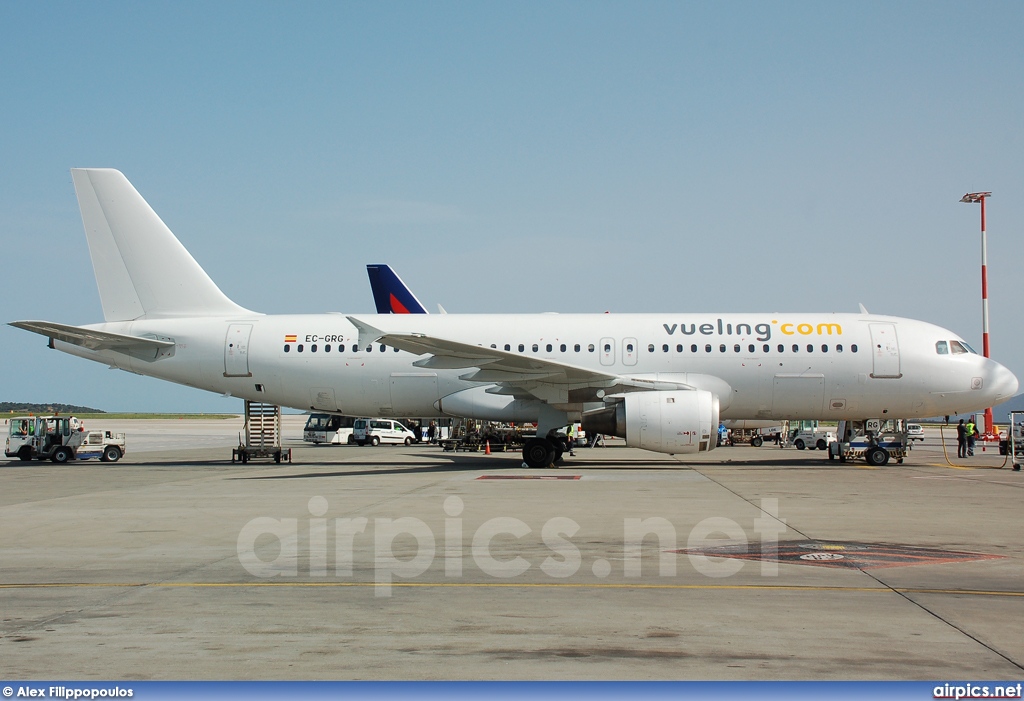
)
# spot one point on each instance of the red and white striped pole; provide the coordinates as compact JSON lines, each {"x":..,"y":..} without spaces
{"x":972,"y":197}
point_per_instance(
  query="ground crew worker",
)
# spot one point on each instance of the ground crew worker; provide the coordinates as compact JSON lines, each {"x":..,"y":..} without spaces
{"x":970,"y":437}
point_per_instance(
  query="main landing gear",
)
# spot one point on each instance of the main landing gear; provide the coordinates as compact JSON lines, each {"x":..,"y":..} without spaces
{"x":543,"y":452}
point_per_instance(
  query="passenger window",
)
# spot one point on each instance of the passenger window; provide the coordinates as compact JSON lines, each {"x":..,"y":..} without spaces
{"x":957,"y":347}
{"x":629,"y":347}
{"x":494,"y":346}
{"x":707,"y":348}
{"x":736,"y":348}
{"x":548,"y":347}
{"x":535,"y":348}
{"x":287,"y":348}
{"x":394,"y":349}
{"x":562,"y":348}
{"x":383,"y":348}
{"x":721,"y":348}
{"x":824,"y":348}
{"x":796,"y":348}
{"x":312,"y":348}
{"x":369,"y":349}
{"x":521,"y":347}
{"x":664,"y":348}
{"x":810,"y":347}
{"x":508,"y":347}
{"x":853,"y":347}
{"x":607,"y":348}
{"x":327,"y":348}
{"x":941,"y":348}
{"x":576,"y":348}
{"x":839,"y":348}
{"x":679,"y":348}
{"x":591,"y":348}
{"x":650,"y":348}
{"x":767,"y":348}
{"x":750,"y":348}
{"x":341,"y":348}
{"x":299,"y":348}
{"x":693,"y":348}
{"x":782,"y":348}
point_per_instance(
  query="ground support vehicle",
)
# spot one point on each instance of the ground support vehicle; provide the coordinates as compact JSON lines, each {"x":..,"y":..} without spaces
{"x":1016,"y":439}
{"x":332,"y":429}
{"x":59,"y":439}
{"x":875,"y":440}
{"x":377,"y":431}
{"x":261,"y":437}
{"x":808,"y":435}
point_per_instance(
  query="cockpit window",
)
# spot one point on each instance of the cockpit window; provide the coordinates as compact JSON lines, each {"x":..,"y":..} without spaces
{"x":942,"y":348}
{"x":969,"y":349}
{"x":958,"y":348}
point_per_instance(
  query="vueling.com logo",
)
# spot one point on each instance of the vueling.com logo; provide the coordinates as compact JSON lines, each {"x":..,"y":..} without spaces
{"x":763,"y":330}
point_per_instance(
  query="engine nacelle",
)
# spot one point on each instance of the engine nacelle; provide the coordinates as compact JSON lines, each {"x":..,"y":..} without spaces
{"x":679,"y":421}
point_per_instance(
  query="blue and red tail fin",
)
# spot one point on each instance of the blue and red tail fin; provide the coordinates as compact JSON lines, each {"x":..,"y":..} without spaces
{"x":390,"y":294}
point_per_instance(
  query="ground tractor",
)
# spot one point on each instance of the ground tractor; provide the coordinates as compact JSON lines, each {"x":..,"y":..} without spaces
{"x":60,"y":439}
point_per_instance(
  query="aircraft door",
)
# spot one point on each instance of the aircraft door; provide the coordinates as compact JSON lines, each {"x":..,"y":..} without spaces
{"x":413,"y":393}
{"x":236,"y":351}
{"x":885,"y":351}
{"x":607,"y":351}
{"x":629,"y":351}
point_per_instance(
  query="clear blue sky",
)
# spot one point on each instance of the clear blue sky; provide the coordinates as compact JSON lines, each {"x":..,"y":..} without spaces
{"x":504,"y":157}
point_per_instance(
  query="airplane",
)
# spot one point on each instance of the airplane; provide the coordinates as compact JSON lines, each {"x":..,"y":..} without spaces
{"x":662,"y":381}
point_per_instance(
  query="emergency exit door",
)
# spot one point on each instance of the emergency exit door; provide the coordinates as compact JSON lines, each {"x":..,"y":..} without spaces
{"x":236,"y":351}
{"x":885,"y":351}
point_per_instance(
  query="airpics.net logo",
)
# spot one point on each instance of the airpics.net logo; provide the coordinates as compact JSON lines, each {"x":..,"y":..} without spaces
{"x":405,"y":549}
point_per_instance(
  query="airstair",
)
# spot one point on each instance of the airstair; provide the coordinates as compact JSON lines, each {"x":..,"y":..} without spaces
{"x":261,"y":435}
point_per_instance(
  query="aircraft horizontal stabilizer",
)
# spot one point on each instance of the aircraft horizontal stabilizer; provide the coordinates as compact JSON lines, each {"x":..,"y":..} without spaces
{"x":93,"y":339}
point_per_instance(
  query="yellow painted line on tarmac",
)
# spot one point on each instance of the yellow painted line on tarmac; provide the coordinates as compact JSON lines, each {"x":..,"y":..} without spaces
{"x":506,"y":585}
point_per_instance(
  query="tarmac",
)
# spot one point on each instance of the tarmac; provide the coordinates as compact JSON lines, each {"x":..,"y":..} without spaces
{"x":414,"y":563}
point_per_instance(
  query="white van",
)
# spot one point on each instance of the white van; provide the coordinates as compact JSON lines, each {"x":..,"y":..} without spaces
{"x":377,"y":431}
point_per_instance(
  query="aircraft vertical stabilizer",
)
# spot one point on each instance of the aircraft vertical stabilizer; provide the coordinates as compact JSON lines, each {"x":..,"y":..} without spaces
{"x":142,"y":270}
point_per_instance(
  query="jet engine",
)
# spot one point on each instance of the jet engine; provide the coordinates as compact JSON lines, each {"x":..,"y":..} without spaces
{"x":678,"y":421}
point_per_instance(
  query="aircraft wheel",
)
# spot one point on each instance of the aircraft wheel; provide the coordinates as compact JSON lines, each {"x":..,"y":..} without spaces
{"x":799,"y":444}
{"x":62,"y":455}
{"x":375,"y":441}
{"x":757,"y":441}
{"x":538,"y":452}
{"x":876,"y":456}
{"x":111,"y":454}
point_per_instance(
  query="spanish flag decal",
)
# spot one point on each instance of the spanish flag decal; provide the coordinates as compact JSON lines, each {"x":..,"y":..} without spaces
{"x":289,"y":338}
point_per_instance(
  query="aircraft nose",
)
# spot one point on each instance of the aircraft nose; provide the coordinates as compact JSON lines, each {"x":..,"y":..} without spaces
{"x":1000,"y":382}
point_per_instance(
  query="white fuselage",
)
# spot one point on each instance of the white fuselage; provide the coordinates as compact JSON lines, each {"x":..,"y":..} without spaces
{"x":761,"y":366}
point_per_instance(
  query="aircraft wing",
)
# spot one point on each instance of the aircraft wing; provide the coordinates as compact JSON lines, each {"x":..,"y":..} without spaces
{"x":515,"y":374}
{"x":94,"y":339}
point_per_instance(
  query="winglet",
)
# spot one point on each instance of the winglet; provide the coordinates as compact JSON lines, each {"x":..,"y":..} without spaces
{"x":367,"y":334}
{"x":864,"y":310}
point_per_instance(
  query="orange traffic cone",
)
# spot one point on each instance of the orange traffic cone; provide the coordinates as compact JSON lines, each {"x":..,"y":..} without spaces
{"x":487,"y":448}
